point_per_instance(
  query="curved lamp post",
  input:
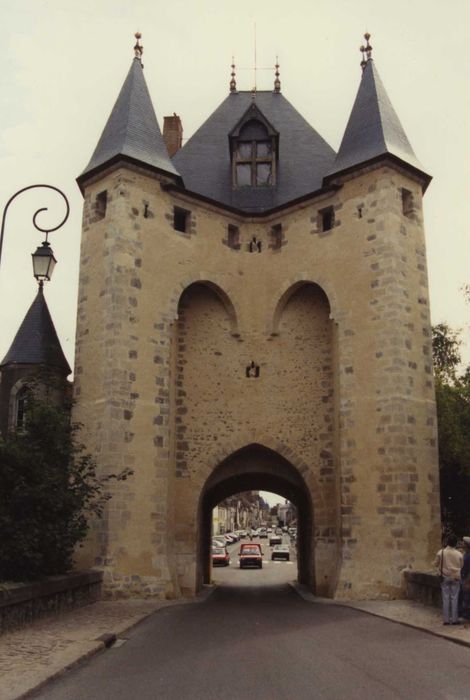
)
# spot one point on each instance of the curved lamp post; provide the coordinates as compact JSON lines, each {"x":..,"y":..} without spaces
{"x":43,"y":257}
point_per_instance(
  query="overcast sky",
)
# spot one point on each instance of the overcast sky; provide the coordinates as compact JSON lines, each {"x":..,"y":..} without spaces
{"x":64,"y":61}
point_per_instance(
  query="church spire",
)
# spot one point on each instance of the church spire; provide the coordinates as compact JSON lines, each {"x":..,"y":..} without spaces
{"x":374,"y":130}
{"x":132,"y":132}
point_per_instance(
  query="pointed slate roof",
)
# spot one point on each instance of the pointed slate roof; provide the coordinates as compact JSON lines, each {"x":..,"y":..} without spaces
{"x":374,"y":130}
{"x":36,"y":342}
{"x":131,"y":131}
{"x":304,"y":156}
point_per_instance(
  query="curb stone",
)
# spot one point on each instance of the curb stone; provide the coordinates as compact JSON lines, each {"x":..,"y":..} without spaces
{"x":106,"y":640}
{"x":311,"y":598}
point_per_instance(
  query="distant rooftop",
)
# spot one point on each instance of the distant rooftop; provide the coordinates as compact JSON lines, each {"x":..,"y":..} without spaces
{"x":36,"y":342}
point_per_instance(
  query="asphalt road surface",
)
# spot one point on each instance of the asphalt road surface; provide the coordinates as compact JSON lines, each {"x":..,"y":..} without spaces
{"x":261,"y":641}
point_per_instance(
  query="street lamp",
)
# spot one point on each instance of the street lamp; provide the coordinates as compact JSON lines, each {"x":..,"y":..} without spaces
{"x":43,"y":258}
{"x":43,"y":262}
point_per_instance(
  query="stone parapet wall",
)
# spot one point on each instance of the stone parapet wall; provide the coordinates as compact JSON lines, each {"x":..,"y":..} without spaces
{"x":25,"y":603}
{"x":423,"y":587}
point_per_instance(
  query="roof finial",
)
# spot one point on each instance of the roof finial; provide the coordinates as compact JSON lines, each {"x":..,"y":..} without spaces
{"x":277,"y":82}
{"x":366,"y":51}
{"x":138,"y":49}
{"x":233,"y":82}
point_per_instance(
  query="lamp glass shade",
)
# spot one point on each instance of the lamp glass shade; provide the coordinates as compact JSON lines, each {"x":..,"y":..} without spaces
{"x":43,"y":262}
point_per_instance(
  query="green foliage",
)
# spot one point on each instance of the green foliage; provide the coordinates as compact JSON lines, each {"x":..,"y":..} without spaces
{"x":48,"y":489}
{"x":453,"y":412}
{"x":446,"y":352}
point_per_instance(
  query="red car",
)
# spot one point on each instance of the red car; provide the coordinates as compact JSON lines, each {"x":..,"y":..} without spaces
{"x":220,"y":556}
{"x":251,"y":555}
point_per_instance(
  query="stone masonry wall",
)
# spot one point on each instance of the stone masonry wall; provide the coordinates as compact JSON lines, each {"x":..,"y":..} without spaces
{"x":345,"y":386}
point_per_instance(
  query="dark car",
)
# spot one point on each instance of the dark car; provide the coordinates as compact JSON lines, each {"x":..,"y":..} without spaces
{"x":280,"y":551}
{"x":220,"y":556}
{"x":251,"y":555}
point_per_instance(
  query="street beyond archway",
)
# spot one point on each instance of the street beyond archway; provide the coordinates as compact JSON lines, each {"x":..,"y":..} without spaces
{"x":263,"y":642}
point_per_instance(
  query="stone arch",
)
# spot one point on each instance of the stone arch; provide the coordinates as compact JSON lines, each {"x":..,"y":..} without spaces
{"x":257,"y":467}
{"x":290,"y":287}
{"x":217,"y":286}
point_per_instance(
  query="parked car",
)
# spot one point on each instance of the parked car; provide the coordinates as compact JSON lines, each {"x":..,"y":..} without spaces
{"x":219,"y":541}
{"x":229,"y":538}
{"x":279,"y":531}
{"x":262,"y":532}
{"x":275,"y":539}
{"x":233,"y":535}
{"x":254,"y":532}
{"x":251,"y":555}
{"x":220,"y":556}
{"x":280,"y":551}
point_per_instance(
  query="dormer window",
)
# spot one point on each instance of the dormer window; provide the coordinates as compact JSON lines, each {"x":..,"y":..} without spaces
{"x":254,"y":145}
{"x":254,"y":158}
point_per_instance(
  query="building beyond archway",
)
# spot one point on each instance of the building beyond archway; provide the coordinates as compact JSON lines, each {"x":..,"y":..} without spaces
{"x":258,"y":303}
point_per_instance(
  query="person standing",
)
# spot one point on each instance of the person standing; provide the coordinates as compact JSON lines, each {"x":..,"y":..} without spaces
{"x":449,"y":562}
{"x":465,"y":579}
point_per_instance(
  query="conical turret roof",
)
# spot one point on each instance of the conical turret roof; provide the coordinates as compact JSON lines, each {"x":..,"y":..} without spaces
{"x":132,"y":131}
{"x":374,"y":131}
{"x":36,"y":342}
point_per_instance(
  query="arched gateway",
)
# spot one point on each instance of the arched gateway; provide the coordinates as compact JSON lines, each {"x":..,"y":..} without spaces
{"x":256,"y":467}
{"x":253,"y":314}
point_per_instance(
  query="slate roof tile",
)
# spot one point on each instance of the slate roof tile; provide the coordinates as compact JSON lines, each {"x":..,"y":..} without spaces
{"x":373,"y":129}
{"x":132,"y":129}
{"x":36,"y":342}
{"x":304,"y":156}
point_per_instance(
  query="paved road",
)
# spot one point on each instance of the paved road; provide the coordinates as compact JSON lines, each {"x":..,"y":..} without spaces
{"x":266,"y":643}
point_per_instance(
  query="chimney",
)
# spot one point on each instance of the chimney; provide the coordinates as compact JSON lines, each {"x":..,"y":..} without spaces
{"x":172,"y":134}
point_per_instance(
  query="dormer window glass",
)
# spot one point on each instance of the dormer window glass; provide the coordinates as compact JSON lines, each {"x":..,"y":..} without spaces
{"x":254,"y":155}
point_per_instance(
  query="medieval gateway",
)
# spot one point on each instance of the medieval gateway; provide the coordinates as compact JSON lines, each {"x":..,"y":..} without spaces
{"x":253,"y":314}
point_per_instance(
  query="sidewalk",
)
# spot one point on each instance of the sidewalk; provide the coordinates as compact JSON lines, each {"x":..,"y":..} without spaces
{"x":405,"y":612}
{"x":31,"y":656}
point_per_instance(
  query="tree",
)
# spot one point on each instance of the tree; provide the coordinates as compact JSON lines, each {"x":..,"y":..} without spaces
{"x":453,"y":412}
{"x":48,"y":489}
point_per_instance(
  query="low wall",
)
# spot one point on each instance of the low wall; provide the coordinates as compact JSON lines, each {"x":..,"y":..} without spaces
{"x":426,"y":588}
{"x":25,"y":603}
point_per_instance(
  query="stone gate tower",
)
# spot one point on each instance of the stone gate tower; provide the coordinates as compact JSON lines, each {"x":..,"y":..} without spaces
{"x":253,"y":314}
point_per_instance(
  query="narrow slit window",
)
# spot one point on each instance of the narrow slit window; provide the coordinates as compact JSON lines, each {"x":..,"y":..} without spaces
{"x":181,"y":218}
{"x":327,"y":218}
{"x":276,"y":236}
{"x":100,"y":205}
{"x":233,"y":237}
{"x":407,"y":202}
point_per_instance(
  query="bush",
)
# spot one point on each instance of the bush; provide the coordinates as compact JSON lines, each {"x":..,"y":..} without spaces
{"x":48,"y":489}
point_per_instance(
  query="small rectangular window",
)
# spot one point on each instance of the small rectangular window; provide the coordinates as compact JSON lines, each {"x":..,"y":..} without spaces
{"x":233,"y":237}
{"x":100,"y":205}
{"x":327,"y":218}
{"x":181,"y":219}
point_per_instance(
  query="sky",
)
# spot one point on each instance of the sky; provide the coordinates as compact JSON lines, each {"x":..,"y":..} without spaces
{"x":64,"y":61}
